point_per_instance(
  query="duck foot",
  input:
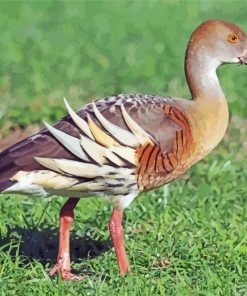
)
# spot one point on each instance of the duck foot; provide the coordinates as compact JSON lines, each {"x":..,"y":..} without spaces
{"x":65,"y":274}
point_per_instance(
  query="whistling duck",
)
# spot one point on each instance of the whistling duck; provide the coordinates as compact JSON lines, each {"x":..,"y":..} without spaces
{"x":125,"y":144}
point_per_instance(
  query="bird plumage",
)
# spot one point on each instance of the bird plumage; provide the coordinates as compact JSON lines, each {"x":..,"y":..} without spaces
{"x":87,"y":136}
{"x":107,"y":159}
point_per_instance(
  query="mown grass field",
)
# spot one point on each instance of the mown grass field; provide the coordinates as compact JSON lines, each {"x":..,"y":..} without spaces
{"x":85,"y":50}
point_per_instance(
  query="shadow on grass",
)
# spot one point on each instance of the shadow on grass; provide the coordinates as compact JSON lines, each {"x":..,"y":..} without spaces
{"x":42,"y":245}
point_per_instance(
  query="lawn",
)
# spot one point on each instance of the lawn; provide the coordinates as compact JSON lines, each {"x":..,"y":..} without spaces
{"x":187,"y":238}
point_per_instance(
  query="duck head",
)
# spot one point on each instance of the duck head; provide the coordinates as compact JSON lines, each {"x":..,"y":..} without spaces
{"x":219,"y":41}
{"x":213,"y":43}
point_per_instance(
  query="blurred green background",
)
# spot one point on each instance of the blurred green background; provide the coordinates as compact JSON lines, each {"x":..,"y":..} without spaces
{"x":84,"y":50}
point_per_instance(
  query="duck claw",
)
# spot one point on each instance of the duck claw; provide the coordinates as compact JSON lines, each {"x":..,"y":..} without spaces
{"x":65,"y":274}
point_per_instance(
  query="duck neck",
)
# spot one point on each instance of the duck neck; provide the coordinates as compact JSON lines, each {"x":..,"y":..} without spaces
{"x":200,"y":70}
{"x":210,"y":113}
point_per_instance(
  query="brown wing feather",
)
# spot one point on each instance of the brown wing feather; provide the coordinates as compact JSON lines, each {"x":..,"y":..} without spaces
{"x":21,"y":155}
{"x":147,"y":111}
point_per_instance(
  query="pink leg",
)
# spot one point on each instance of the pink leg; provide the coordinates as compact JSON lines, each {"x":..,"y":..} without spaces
{"x":117,"y":236}
{"x":63,"y":259}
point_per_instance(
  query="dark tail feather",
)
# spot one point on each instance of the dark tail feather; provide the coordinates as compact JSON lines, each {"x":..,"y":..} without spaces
{"x":5,"y":184}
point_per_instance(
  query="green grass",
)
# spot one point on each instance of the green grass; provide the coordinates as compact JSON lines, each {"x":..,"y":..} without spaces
{"x":84,"y":50}
{"x":198,"y":224}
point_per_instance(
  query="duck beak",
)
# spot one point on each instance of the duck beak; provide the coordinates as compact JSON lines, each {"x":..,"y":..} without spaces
{"x":243,"y":59}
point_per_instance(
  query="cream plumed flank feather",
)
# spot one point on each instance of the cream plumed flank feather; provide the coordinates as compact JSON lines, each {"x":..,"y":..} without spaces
{"x":104,"y":161}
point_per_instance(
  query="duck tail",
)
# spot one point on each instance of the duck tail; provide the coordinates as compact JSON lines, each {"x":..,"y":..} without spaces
{"x":5,"y":185}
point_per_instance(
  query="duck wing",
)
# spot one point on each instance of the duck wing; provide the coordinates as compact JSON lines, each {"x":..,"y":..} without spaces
{"x":102,"y":138}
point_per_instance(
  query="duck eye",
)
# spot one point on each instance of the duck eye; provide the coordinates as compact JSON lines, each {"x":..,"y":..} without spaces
{"x":233,"y":38}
